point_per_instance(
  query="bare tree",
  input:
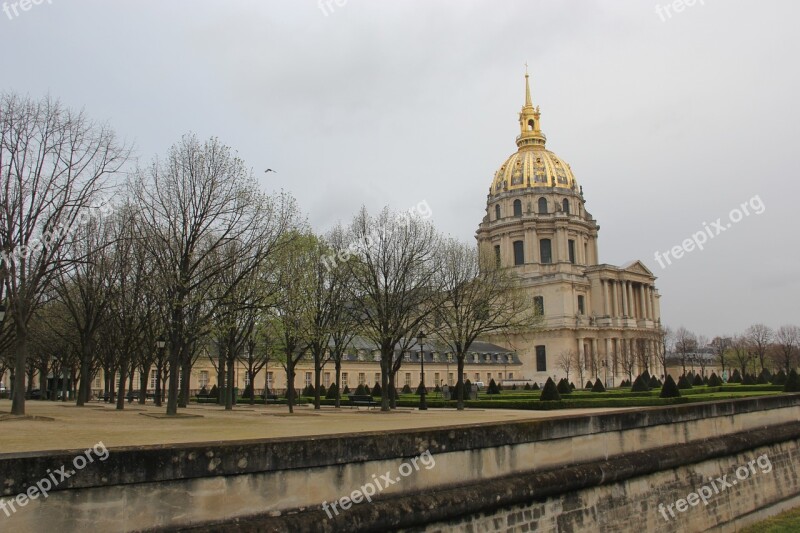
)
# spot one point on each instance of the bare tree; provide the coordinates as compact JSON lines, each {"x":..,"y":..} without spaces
{"x":565,"y":361}
{"x":721,"y":347}
{"x":787,"y":341}
{"x":685,"y":345}
{"x":395,"y":280}
{"x":192,"y":206}
{"x":742,"y":352}
{"x":664,"y":338}
{"x":479,"y":298}
{"x":627,"y":359}
{"x":54,"y":163}
{"x":579,"y":358}
{"x":760,"y":336}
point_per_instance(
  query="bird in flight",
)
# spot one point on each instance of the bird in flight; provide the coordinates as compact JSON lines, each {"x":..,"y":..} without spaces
{"x":270,"y":170}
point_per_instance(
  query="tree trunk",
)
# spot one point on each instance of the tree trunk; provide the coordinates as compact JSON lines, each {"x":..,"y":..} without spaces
{"x":85,"y":382}
{"x":229,"y":392}
{"x":290,"y":383}
{"x":384,"y":383}
{"x":460,"y":383}
{"x":123,"y":382}
{"x":221,"y":378}
{"x":338,"y":366}
{"x":392,"y":391}
{"x":317,"y":383}
{"x":143,"y":377}
{"x":20,"y":358}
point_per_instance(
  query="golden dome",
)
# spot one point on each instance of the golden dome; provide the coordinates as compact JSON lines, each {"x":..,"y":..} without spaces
{"x":532,"y":165}
{"x":533,"y":168}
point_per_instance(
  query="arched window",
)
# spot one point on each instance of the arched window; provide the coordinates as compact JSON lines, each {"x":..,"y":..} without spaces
{"x":565,"y":206}
{"x":517,"y":208}
{"x":542,"y":205}
{"x":497,"y":211}
{"x":519,"y":253}
{"x":545,"y":251}
{"x":531,"y":125}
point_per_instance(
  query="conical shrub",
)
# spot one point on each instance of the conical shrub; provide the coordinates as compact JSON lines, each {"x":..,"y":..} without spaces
{"x":670,"y":389}
{"x":598,"y":386}
{"x":550,"y":392}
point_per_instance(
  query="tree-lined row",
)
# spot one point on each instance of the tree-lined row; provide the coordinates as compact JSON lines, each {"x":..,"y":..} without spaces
{"x":101,"y":263}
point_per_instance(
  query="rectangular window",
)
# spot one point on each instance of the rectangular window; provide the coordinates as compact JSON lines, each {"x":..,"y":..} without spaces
{"x":545,"y":251}
{"x":436,"y":379}
{"x":538,"y":305}
{"x":519,"y":253}
{"x":344,"y":379}
{"x":377,"y":377}
{"x":488,"y":377}
{"x":362,"y":378}
{"x":477,"y":377}
{"x":510,"y":375}
{"x":408,"y":379}
{"x":497,"y":255}
{"x":308,"y":379}
{"x":269,"y":380}
{"x":153,"y":376}
{"x":571,"y":249}
{"x":450,"y":378}
{"x":203,"y":378}
{"x":327,"y":379}
{"x":581,"y":305}
{"x":541,"y":359}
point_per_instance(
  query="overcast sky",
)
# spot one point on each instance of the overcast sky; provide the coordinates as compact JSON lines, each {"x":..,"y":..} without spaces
{"x":668,"y":121}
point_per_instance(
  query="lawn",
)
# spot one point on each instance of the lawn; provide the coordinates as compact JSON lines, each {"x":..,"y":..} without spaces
{"x":788,"y":522}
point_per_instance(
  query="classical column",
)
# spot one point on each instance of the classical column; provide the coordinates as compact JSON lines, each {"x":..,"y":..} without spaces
{"x":641,"y":301}
{"x":614,"y":305}
{"x":595,"y":358}
{"x":652,"y":295}
{"x":624,"y":288}
{"x":606,"y":311}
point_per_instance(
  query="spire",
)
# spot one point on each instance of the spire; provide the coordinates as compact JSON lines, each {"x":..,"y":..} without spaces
{"x":527,"y":89}
{"x":531,"y":135}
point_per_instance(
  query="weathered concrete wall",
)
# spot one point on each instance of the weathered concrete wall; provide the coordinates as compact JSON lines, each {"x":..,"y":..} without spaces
{"x":279,"y":484}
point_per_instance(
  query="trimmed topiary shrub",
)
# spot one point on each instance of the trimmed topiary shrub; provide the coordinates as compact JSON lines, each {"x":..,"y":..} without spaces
{"x":332,"y":390}
{"x":527,"y":386}
{"x":714,"y":380}
{"x":639,"y":385}
{"x":492,"y":388}
{"x":406,"y":389}
{"x":792,"y":382}
{"x":437,"y":388}
{"x":514,"y":386}
{"x":572,"y":386}
{"x":697,"y":381}
{"x":346,"y":390}
{"x":670,"y":389}
{"x":654,"y":382}
{"x":563,"y":387}
{"x":684,"y":383}
{"x":588,"y":385}
{"x":646,"y":375}
{"x":598,"y":386}
{"x":625,"y":383}
{"x":322,"y":391}
{"x":736,"y":377}
{"x":779,"y":378}
{"x":764,"y":377}
{"x":535,"y":386}
{"x":419,"y":389}
{"x":360,"y":389}
{"x":748,"y":380}
{"x":308,"y":390}
{"x":550,"y":392}
{"x":214,"y":393}
{"x":377,"y":391}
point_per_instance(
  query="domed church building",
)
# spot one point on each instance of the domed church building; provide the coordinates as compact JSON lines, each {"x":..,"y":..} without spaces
{"x":537,"y":223}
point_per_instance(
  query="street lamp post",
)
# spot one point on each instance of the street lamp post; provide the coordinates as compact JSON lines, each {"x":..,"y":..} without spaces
{"x":161,"y":343}
{"x":423,"y":405}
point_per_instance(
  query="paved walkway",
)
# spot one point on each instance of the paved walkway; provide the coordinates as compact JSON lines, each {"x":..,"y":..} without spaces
{"x":59,"y":426}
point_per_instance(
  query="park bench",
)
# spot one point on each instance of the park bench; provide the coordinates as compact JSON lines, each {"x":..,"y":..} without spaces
{"x":357,"y":400}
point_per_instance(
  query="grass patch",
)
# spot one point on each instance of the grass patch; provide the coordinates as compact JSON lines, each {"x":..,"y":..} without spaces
{"x":788,"y":522}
